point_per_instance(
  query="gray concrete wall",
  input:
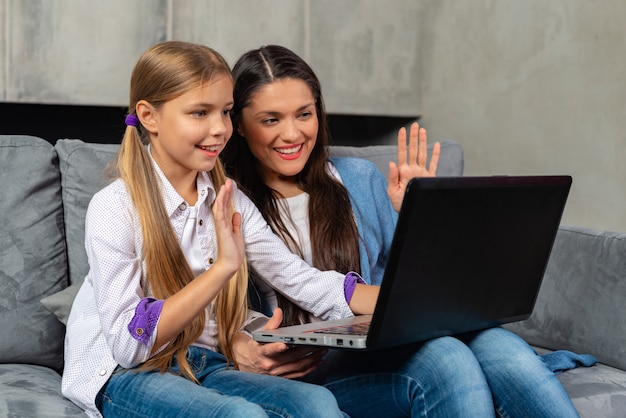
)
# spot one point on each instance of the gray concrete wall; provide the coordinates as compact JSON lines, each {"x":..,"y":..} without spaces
{"x":532,"y":87}
{"x":73,"y":51}
{"x":82,"y":51}
{"x":526,"y":86}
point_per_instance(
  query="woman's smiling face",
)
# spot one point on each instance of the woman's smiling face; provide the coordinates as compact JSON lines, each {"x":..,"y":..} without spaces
{"x":280,"y":126}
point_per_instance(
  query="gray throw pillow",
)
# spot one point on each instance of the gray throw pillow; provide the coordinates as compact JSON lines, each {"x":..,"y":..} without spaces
{"x":60,"y":303}
{"x":83,"y":172}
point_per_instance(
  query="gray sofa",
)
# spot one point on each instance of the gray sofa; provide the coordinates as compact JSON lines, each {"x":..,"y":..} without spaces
{"x":44,"y":192}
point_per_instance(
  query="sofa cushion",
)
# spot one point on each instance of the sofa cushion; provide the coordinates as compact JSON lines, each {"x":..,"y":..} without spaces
{"x":33,"y":391}
{"x":450,"y":157}
{"x":83,"y":172}
{"x":598,"y":391}
{"x":581,"y":302}
{"x":582,"y":386}
{"x":32,"y":251}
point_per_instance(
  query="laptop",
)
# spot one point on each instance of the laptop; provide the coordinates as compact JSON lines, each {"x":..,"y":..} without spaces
{"x":468,"y":253}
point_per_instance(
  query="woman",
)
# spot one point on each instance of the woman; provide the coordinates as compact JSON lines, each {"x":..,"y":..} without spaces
{"x":278,"y":155}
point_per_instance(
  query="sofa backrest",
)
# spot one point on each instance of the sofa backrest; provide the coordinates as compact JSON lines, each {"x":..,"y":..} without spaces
{"x":82,"y":166}
{"x":33,"y":259}
{"x":450,"y":157}
{"x":580,"y":306}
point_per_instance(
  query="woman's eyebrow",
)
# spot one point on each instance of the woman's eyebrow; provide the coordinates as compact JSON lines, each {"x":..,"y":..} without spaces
{"x":277,"y":113}
{"x":267,"y":113}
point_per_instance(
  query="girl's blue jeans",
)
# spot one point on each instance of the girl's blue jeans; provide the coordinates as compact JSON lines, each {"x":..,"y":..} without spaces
{"x":223,"y":392}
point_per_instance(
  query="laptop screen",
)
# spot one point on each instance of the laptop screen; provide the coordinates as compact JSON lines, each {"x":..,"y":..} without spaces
{"x":468,"y":253}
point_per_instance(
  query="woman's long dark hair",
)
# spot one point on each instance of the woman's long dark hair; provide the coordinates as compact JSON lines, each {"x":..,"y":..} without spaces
{"x":334,"y":233}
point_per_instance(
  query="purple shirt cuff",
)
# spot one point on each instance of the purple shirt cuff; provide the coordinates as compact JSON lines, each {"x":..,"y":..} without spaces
{"x":147,"y":313}
{"x":349,"y":284}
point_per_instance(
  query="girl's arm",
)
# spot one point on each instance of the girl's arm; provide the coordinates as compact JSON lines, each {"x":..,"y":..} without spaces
{"x":115,"y":270}
{"x":115,"y":262}
{"x":181,"y":308}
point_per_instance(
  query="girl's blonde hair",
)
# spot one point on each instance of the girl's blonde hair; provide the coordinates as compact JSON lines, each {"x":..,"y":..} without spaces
{"x":164,"y":72}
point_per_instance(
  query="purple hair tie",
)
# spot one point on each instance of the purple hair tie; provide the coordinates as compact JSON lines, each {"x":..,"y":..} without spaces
{"x":132,"y":120}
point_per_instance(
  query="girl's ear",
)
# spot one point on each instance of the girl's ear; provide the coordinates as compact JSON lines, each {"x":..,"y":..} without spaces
{"x":147,"y":114}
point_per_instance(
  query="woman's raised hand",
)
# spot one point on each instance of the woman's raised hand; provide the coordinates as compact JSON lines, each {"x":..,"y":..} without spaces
{"x":411,"y":162}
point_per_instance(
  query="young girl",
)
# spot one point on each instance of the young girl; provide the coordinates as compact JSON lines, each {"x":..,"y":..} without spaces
{"x":150,"y":332}
{"x":335,"y":213}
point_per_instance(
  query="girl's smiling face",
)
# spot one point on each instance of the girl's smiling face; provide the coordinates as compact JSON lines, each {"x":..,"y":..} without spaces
{"x":187,"y":133}
{"x":280,"y":126}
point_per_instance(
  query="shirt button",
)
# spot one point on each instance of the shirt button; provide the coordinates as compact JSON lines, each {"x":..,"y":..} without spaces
{"x":182,"y":206}
{"x":139,"y":331}
{"x":211,"y":260}
{"x":103,"y":372}
{"x":202,"y":192}
{"x":200,"y":222}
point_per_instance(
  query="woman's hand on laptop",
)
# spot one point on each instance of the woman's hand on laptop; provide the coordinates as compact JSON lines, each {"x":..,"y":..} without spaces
{"x":276,"y":359}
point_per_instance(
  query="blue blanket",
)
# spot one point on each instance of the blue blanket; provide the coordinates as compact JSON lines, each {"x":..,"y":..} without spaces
{"x":562,"y":360}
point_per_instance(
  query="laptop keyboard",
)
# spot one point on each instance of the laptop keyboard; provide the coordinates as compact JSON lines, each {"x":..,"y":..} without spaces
{"x":355,"y":329}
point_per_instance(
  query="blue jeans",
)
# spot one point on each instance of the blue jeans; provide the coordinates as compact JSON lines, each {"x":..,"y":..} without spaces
{"x":222,"y":393}
{"x":521,"y":384}
{"x":488,"y":373}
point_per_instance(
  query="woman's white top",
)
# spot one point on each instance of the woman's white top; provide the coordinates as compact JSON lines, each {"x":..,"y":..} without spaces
{"x":294,"y":212}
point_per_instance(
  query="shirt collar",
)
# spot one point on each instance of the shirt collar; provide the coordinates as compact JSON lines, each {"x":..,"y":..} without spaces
{"x":174,"y":201}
